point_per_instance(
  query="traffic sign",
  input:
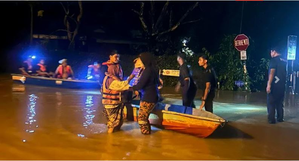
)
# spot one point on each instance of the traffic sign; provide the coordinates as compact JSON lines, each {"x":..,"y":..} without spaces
{"x":241,"y":42}
{"x":243,"y":55}
{"x":292,"y":43}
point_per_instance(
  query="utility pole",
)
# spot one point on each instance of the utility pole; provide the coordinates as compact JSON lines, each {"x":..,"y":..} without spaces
{"x":31,"y":23}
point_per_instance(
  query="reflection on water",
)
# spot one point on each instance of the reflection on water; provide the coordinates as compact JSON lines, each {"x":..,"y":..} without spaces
{"x":88,"y":111}
{"x":81,"y":135}
{"x":89,"y":114}
{"x":58,"y":98}
{"x":68,"y":124}
{"x":31,"y":123}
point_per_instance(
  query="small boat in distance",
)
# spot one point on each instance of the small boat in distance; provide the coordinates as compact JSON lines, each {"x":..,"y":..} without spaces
{"x":54,"y":82}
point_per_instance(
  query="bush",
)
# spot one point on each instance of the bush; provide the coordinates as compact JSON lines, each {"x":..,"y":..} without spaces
{"x":226,"y":63}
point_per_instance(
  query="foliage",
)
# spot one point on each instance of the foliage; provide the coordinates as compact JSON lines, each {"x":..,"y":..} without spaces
{"x":227,"y":64}
{"x":229,"y":67}
{"x":259,"y":74}
{"x":72,"y":24}
{"x":157,"y":23}
{"x":168,"y":62}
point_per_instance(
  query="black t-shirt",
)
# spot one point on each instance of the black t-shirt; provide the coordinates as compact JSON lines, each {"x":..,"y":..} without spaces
{"x":185,"y":72}
{"x":209,"y":75}
{"x":280,"y":75}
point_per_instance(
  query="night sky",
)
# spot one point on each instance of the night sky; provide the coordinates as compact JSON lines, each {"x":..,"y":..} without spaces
{"x":266,"y":23}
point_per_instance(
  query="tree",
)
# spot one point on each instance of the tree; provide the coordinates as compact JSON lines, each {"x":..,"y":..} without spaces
{"x":155,"y":25}
{"x":229,"y":68}
{"x":227,"y":64}
{"x":32,"y":5}
{"x":72,"y":24}
{"x":31,"y":22}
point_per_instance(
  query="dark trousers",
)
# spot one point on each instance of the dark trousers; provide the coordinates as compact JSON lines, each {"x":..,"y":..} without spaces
{"x":275,"y":102}
{"x":127,"y":97}
{"x":209,"y":101}
{"x":188,"y":96}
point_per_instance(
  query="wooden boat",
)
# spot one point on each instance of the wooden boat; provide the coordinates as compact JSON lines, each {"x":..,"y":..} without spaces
{"x":53,"y":82}
{"x":183,"y":119}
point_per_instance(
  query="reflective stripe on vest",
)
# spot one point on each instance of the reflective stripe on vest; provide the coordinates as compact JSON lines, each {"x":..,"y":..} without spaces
{"x":110,"y":97}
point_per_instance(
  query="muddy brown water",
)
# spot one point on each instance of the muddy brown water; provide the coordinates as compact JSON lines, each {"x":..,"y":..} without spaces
{"x":52,"y":123}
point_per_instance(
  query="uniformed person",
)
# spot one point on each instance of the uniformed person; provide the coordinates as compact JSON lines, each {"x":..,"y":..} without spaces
{"x":209,"y":84}
{"x":186,"y":82}
{"x":276,"y":86}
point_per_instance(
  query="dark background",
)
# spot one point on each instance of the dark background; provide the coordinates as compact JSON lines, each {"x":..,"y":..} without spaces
{"x":266,"y":23}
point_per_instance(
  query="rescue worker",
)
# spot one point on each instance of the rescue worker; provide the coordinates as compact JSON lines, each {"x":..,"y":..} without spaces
{"x":64,"y":71}
{"x":42,"y":69}
{"x":27,"y":67}
{"x":148,"y":86}
{"x":209,"y":84}
{"x":276,"y":86}
{"x":137,"y":71}
{"x":93,"y":72}
{"x":112,"y":96}
{"x":186,"y":82}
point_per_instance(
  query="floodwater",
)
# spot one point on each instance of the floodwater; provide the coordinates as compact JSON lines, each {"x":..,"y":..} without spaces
{"x":51,"y":123}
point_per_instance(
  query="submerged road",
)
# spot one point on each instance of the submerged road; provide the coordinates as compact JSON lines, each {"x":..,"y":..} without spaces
{"x":51,"y":123}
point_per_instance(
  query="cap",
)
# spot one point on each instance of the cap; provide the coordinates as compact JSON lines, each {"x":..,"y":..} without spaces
{"x":62,"y":61}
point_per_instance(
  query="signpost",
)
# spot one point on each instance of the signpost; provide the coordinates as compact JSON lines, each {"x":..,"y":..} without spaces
{"x":241,"y":43}
{"x":292,"y":44}
{"x":243,"y":55}
{"x":169,"y":72}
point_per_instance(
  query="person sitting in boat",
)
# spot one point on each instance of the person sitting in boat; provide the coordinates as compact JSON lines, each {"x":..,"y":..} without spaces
{"x":93,"y":72}
{"x":112,"y":90}
{"x":64,"y":71}
{"x":27,"y":67}
{"x":42,"y":69}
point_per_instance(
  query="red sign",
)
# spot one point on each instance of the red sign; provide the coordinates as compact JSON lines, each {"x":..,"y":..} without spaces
{"x":241,"y":42}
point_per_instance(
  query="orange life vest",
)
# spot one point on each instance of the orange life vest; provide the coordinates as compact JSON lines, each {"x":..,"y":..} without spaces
{"x":67,"y":70}
{"x":110,"y":97}
{"x":42,"y":68}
